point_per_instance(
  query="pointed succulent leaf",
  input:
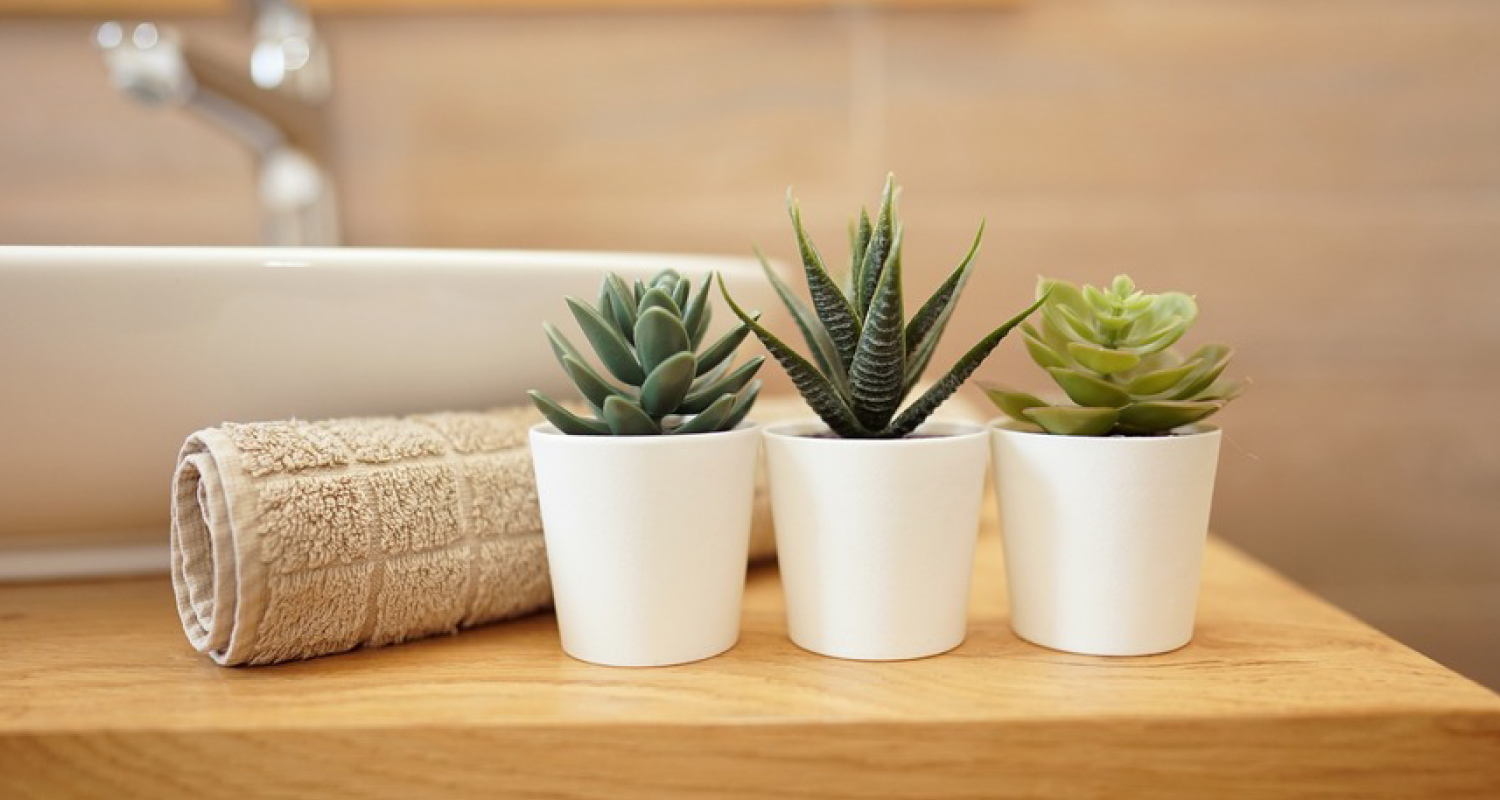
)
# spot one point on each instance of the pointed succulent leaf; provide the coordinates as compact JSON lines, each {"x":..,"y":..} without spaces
{"x":680,"y":293}
{"x":1160,"y":416}
{"x":1102,"y":359}
{"x":1214,"y":358}
{"x":1061,"y":293}
{"x":712,"y":375}
{"x":659,"y":335}
{"x":1013,"y":403}
{"x":1224,"y":390}
{"x":815,"y":388}
{"x":560,"y":344}
{"x":620,"y":306}
{"x":696,"y":314}
{"x":1040,"y":353}
{"x":667,"y":385}
{"x":720,"y":351}
{"x":1158,"y":381}
{"x":627,"y":419}
{"x":929,"y":320}
{"x":657,"y":297}
{"x":833,"y":309}
{"x":709,"y":419}
{"x":1097,"y":301}
{"x":818,"y":342}
{"x":918,"y":412}
{"x":700,"y":399}
{"x":1158,"y":339}
{"x":1074,"y":421}
{"x":565,"y":420}
{"x":1087,"y":390}
{"x":743,"y":402}
{"x":859,"y":244}
{"x":608,"y":343}
{"x":877,"y":253}
{"x":877,"y":375}
{"x":591,"y":384}
{"x":929,"y":325}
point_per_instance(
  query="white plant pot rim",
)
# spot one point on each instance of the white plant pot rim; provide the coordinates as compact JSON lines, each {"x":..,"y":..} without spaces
{"x":932,"y":433}
{"x":1006,"y":425}
{"x":642,"y":441}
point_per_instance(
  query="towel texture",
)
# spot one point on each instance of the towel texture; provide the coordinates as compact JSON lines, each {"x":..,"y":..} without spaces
{"x":299,"y":539}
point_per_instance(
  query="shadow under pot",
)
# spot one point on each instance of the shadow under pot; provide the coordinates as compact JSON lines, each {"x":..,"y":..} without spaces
{"x":1104,"y":536}
{"x":875,"y":537}
{"x":647,"y":539}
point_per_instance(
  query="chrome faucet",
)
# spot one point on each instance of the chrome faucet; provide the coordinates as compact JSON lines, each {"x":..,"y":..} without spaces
{"x":275,"y":110}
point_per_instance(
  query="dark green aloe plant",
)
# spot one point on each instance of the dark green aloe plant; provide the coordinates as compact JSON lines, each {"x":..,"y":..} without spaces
{"x":648,"y":337}
{"x":868,"y":356}
{"x":1110,"y":351}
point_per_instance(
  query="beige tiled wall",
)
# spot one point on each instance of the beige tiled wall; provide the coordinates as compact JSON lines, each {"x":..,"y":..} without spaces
{"x":1324,"y":174}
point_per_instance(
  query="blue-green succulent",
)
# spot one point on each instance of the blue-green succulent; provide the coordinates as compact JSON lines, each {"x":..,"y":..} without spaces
{"x":649,"y":337}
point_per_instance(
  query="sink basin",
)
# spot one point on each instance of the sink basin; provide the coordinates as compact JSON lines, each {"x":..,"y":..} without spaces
{"x":111,"y":356}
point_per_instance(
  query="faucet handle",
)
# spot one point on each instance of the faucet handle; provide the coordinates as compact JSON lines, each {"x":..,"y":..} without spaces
{"x":145,"y":61}
{"x":288,"y":51}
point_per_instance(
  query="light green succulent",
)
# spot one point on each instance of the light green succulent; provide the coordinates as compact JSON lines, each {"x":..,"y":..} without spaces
{"x":1110,"y":351}
{"x":868,"y":356}
{"x":648,"y":337}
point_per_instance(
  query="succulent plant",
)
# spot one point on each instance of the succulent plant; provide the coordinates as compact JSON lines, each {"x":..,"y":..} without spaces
{"x":648,"y":336}
{"x":1110,"y":351}
{"x":868,"y":357}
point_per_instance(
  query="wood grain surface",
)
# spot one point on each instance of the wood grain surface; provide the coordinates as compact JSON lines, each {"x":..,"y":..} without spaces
{"x":1279,"y":696}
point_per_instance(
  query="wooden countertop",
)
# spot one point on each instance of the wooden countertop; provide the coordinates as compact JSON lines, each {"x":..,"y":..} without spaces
{"x":1280,"y":695}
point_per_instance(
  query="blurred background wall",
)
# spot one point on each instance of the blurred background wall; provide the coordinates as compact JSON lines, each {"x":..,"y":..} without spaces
{"x":1325,"y":175}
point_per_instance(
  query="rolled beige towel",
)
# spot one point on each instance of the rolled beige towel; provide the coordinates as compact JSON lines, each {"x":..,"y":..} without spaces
{"x":299,"y":539}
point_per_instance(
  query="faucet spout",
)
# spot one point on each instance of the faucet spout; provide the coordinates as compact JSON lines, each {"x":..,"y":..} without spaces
{"x":274,"y":111}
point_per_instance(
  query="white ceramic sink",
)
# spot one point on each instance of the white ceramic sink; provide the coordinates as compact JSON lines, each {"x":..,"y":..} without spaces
{"x":111,"y":356}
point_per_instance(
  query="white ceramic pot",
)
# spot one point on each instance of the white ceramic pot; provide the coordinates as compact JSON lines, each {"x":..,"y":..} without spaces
{"x":646,"y":541}
{"x":875,"y":538}
{"x":1104,"y":536}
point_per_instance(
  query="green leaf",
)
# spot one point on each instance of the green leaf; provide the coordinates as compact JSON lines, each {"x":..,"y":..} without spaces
{"x":1223,"y":391}
{"x":560,"y":345}
{"x":1043,"y":355}
{"x":1102,"y":359}
{"x":627,"y":419}
{"x":709,"y":419}
{"x":918,"y":412}
{"x":565,"y":420}
{"x":1073,"y":421}
{"x":1122,"y":286}
{"x":1160,"y":380}
{"x":818,"y":341}
{"x":617,"y":305}
{"x":720,"y":351}
{"x":695,"y":317}
{"x":608,"y":343}
{"x":680,"y":292}
{"x":657,"y":297}
{"x":877,"y":253}
{"x":821,"y":396}
{"x":859,"y":244}
{"x":743,"y":402}
{"x":659,"y":335}
{"x":1160,"y":416}
{"x":1214,"y":358}
{"x":926,"y":327}
{"x":1011,"y":402}
{"x":591,"y":384}
{"x":833,"y":309}
{"x":700,"y":399}
{"x":877,"y":375}
{"x":1086,"y":390}
{"x":667,"y":385}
